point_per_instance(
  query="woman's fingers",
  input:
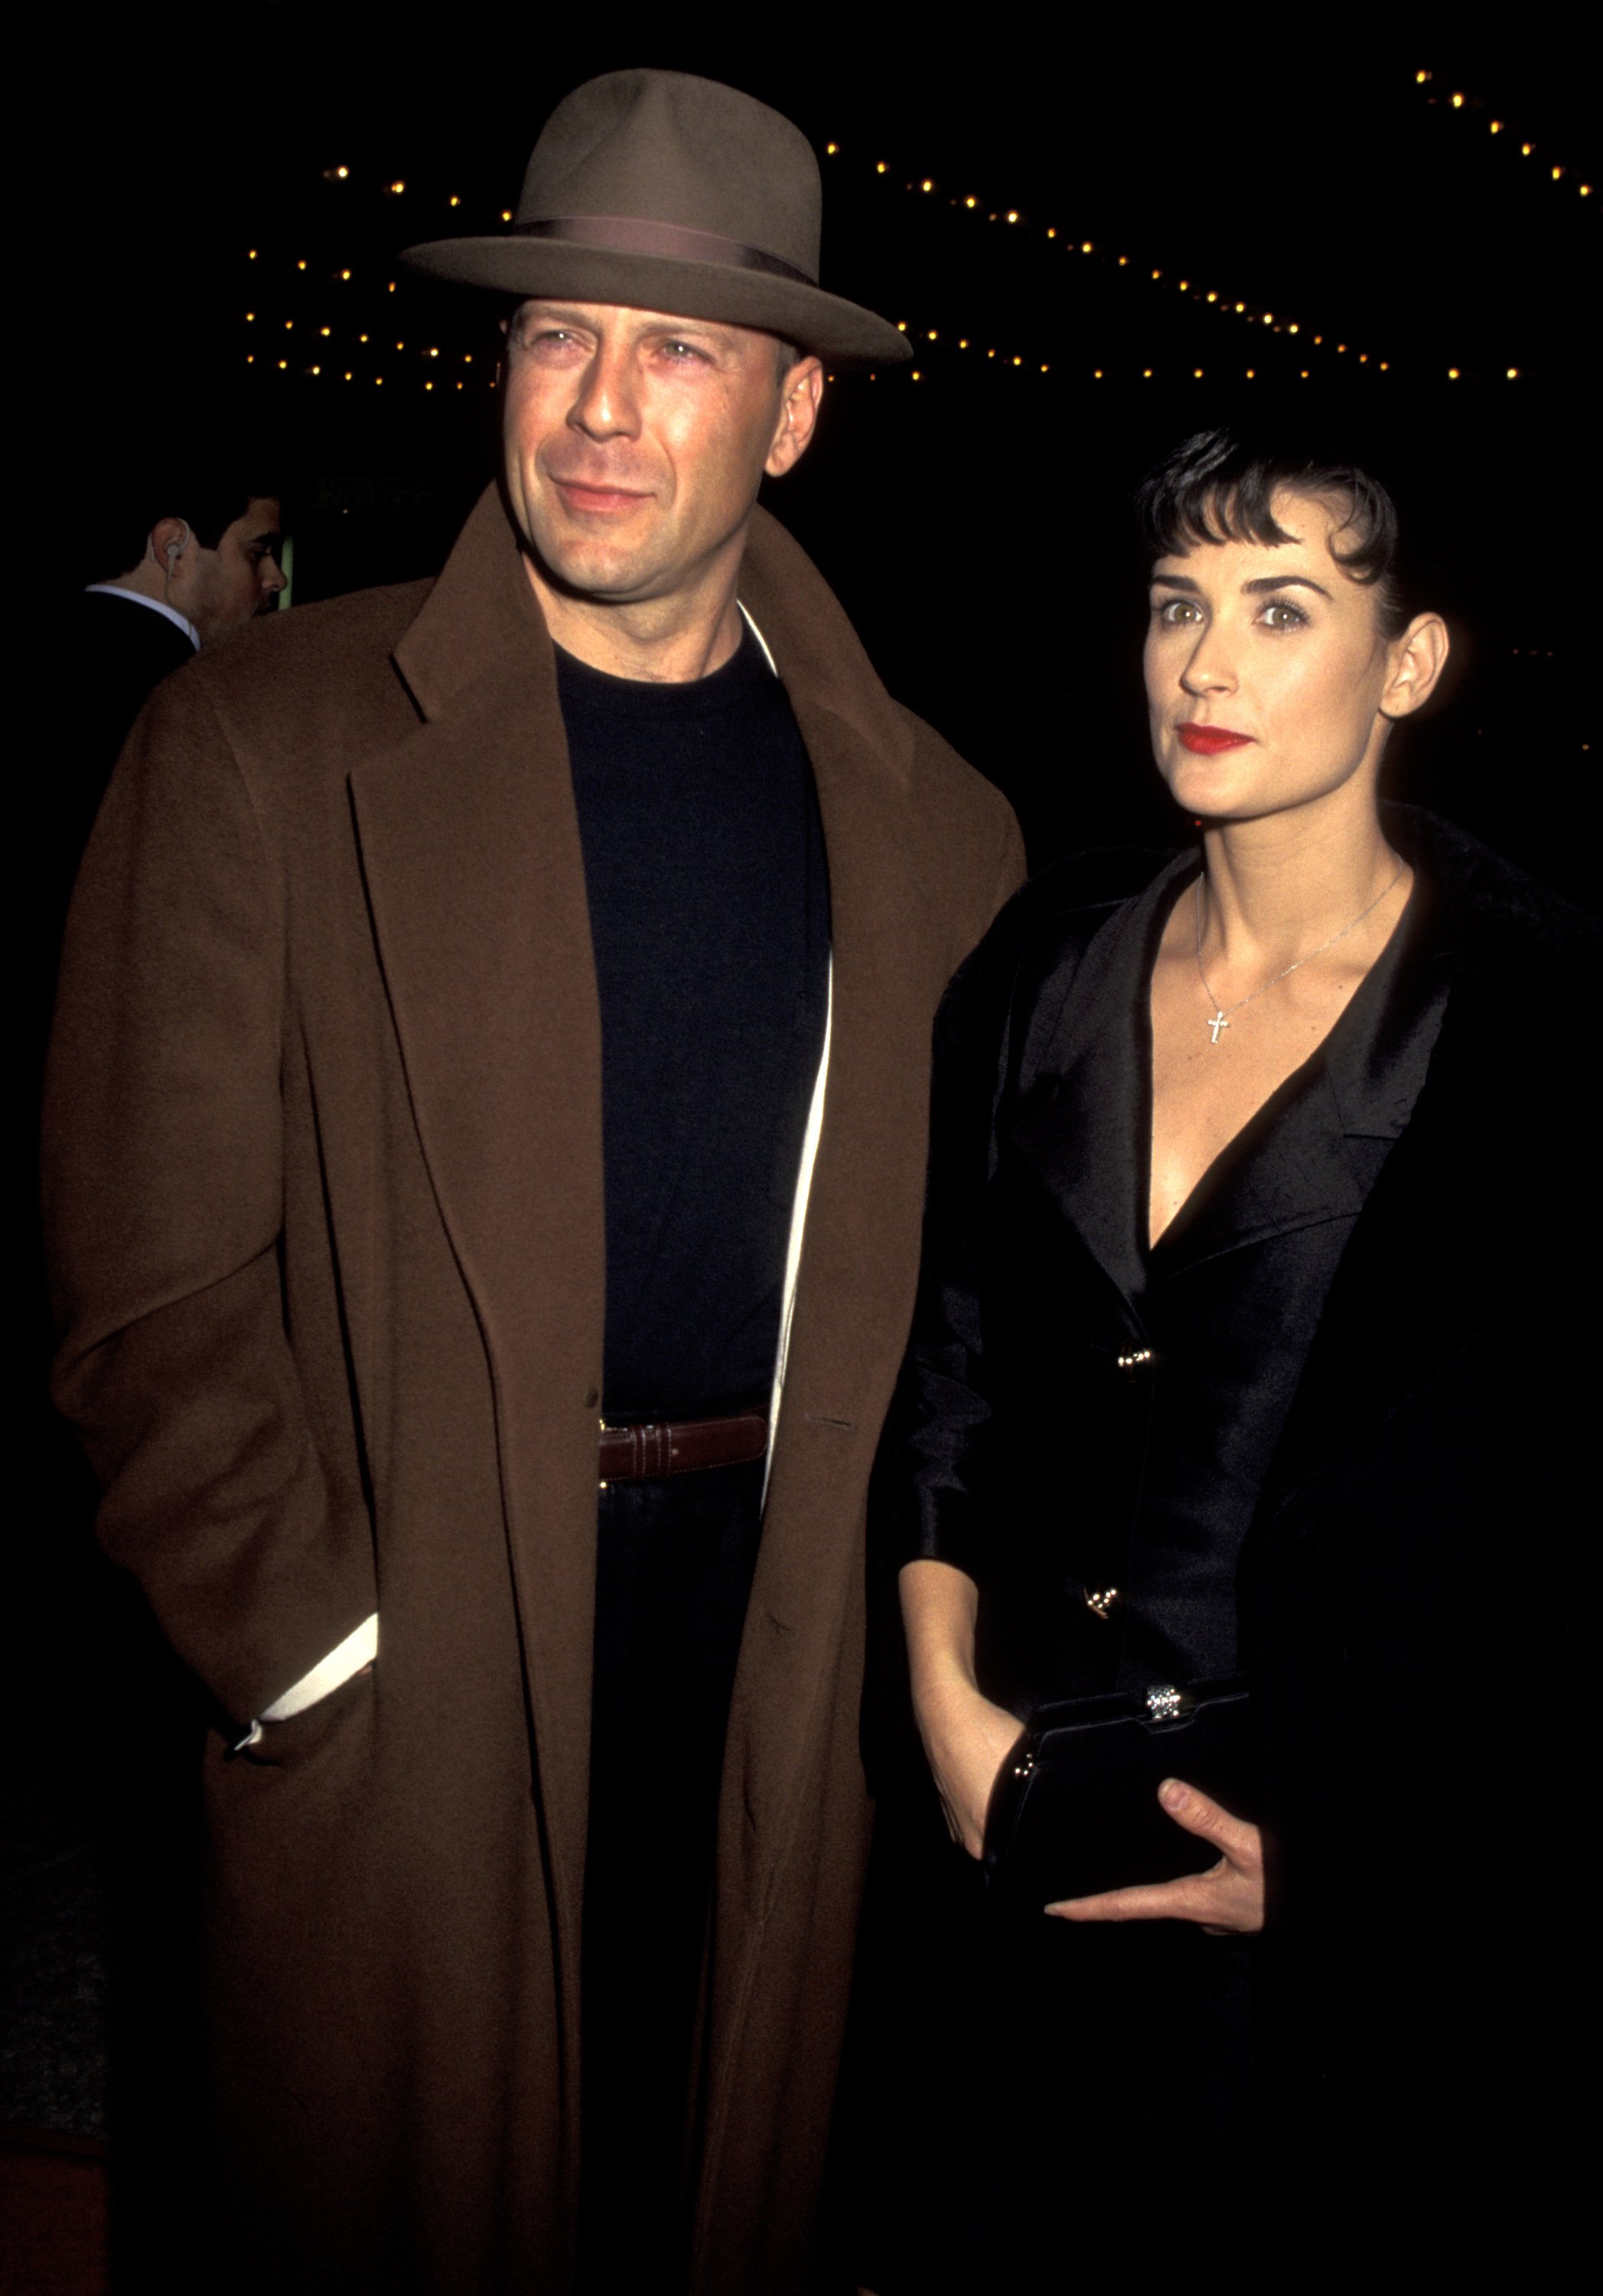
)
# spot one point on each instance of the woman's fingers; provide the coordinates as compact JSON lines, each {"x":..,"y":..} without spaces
{"x":1237,"y":1839}
{"x":1228,"y":1896}
{"x":1193,"y":1898}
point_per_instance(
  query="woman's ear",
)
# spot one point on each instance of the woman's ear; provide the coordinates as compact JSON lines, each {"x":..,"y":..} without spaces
{"x":1415,"y":664}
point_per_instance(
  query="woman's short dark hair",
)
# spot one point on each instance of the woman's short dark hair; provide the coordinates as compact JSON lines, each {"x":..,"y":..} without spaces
{"x":1220,"y":486}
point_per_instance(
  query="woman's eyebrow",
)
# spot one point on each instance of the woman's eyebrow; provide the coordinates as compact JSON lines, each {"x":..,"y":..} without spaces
{"x":1283,"y":582}
{"x":1176,"y":581}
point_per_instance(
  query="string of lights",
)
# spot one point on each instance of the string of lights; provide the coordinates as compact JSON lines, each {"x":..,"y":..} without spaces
{"x":1475,"y":109}
{"x":1154,"y":275}
{"x":348,"y":353}
{"x":338,"y":352}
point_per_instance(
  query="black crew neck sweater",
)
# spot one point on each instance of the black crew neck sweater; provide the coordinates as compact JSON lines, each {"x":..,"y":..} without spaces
{"x":709,"y":894}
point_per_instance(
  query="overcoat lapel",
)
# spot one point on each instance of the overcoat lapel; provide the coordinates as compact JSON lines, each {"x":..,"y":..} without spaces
{"x":470,"y":849}
{"x":855,"y":1265}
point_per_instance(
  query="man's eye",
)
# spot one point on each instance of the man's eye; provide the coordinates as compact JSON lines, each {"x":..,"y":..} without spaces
{"x":682,"y":351}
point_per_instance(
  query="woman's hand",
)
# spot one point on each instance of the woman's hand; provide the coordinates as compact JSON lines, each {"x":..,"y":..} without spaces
{"x":966,"y":1739}
{"x":1227,"y":1900}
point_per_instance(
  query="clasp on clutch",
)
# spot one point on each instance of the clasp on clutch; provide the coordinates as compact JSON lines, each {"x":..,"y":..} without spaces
{"x":1165,"y":1703}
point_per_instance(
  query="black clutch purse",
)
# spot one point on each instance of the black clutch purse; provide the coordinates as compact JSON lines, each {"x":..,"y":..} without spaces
{"x":1074,"y":1808}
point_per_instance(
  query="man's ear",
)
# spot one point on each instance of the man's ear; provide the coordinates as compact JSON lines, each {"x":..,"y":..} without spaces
{"x":167,"y":540}
{"x":803,"y":388}
{"x":1415,"y":666}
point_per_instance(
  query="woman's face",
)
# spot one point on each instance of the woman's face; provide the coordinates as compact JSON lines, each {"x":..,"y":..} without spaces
{"x":1269,"y":685}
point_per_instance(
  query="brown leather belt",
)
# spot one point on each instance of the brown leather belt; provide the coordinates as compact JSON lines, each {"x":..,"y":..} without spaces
{"x":680,"y":1446}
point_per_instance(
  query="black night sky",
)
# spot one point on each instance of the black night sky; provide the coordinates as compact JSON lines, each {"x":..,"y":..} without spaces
{"x":1283,"y":217}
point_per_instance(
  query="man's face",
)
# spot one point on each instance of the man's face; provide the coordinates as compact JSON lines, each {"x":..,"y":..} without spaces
{"x":239,"y":577}
{"x":635,"y":442}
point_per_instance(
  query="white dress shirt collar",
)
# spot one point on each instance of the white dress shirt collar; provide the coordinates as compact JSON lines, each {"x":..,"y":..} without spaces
{"x":157,"y":606}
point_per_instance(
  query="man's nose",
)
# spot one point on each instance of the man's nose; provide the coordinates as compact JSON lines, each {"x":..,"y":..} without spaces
{"x":604,"y":406}
{"x":271,"y":577}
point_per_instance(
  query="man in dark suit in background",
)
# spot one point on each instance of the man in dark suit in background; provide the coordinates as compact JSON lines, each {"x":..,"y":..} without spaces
{"x":197,"y":575}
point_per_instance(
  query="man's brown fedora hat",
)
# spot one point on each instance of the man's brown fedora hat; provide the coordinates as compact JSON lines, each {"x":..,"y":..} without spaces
{"x":673,"y":194}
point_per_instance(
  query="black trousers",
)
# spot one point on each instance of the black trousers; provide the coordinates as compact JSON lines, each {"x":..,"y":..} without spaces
{"x":674,"y":1571}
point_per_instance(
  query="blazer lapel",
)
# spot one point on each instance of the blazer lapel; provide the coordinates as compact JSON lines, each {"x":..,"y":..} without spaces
{"x":470,"y":849}
{"x":1085,"y":1126}
{"x":1424,"y":1269}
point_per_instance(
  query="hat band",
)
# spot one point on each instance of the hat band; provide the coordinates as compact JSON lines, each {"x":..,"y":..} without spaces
{"x":635,"y":236}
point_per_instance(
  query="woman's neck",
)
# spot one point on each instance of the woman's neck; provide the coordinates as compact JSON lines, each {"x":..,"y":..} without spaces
{"x":1277,"y":886}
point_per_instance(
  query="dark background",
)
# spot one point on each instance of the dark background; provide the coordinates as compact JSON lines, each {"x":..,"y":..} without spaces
{"x":974,"y":523}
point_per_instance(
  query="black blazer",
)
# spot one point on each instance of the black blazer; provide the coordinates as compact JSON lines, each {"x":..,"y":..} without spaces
{"x":1411,"y":1585}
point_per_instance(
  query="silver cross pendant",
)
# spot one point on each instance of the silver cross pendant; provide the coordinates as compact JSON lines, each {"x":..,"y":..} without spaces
{"x":1217,"y":1024}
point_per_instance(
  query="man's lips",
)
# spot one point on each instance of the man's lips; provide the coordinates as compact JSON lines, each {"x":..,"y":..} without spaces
{"x":1209,"y":741}
{"x":587,"y":495}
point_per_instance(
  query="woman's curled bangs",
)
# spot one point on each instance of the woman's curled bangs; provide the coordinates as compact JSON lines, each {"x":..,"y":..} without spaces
{"x":1220,"y":486}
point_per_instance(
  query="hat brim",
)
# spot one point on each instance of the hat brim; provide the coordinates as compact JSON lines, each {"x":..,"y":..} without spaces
{"x":826,"y":324}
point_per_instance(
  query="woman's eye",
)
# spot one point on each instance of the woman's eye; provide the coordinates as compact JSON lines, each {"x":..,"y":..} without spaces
{"x":1172,"y":613}
{"x":1281,"y":614}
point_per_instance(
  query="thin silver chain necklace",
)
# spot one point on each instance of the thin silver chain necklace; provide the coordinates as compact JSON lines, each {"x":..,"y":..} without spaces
{"x":1222,"y":1013}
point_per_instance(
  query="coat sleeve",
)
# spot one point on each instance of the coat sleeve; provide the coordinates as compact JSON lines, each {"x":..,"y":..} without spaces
{"x":942,"y":1412}
{"x":163,"y":1159}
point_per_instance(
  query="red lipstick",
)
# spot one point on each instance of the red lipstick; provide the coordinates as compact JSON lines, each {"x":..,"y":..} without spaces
{"x":1211,"y":741}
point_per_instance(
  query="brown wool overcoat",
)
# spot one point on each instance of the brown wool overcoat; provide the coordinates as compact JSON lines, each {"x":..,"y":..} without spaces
{"x":325,"y":1201}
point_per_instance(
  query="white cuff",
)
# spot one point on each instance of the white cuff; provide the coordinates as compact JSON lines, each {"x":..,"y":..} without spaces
{"x":359,"y":1648}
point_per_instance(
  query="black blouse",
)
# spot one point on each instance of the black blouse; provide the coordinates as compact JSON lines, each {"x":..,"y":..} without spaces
{"x":1087,"y":1417}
